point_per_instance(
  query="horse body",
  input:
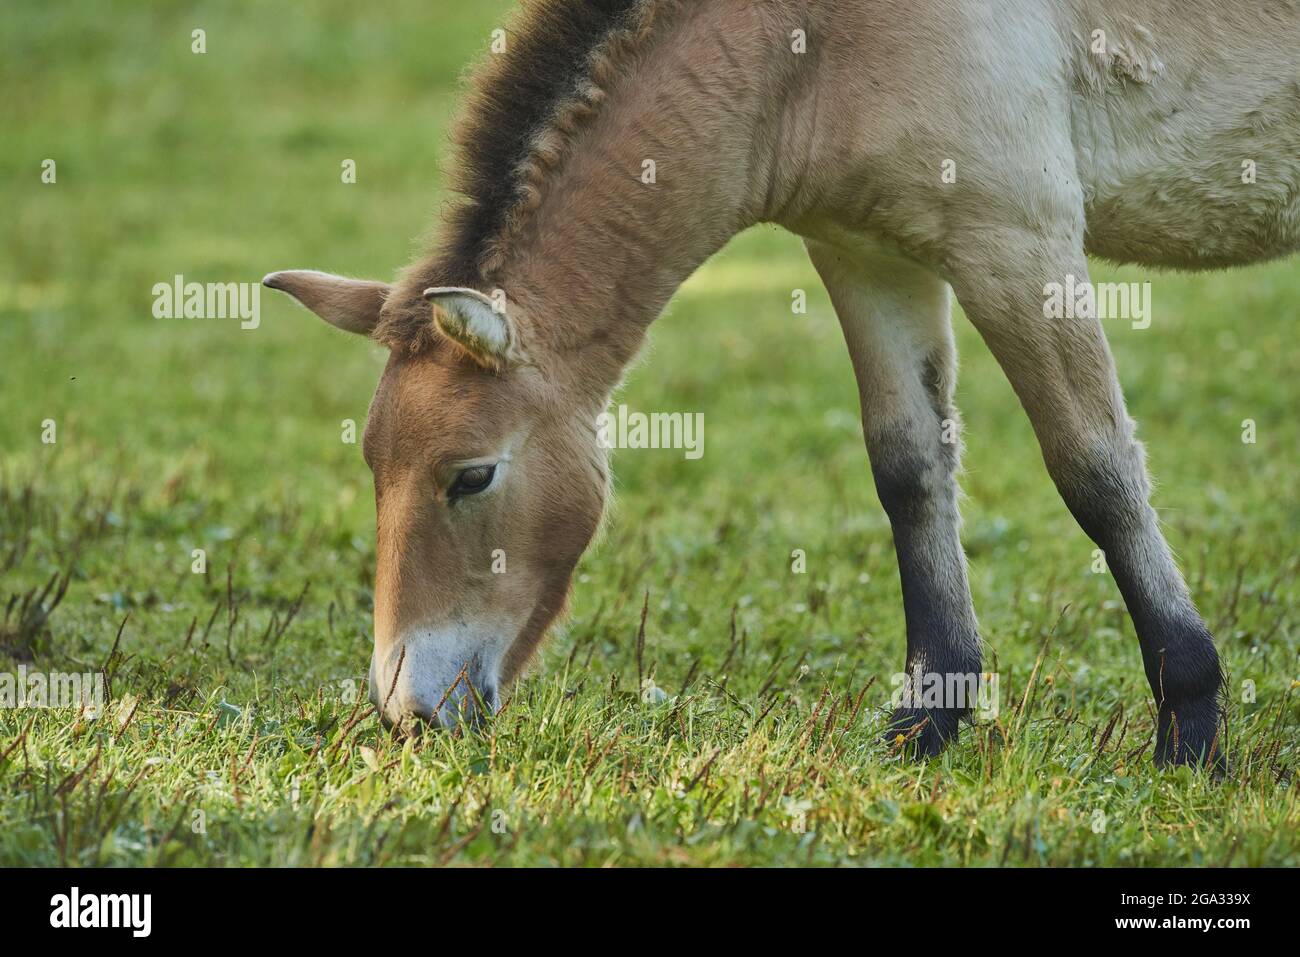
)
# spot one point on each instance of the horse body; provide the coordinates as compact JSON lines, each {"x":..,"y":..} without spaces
{"x":921,"y":150}
{"x":1197,"y":164}
{"x":1173,"y":128}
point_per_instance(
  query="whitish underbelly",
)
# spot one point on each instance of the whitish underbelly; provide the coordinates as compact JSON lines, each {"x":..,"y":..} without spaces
{"x":1196,"y":187}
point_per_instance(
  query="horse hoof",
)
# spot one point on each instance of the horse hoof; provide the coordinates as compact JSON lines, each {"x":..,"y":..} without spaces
{"x":922,"y":732}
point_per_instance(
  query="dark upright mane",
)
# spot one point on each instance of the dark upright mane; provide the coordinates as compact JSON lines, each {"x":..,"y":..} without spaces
{"x":517,"y":95}
{"x":524,"y":109}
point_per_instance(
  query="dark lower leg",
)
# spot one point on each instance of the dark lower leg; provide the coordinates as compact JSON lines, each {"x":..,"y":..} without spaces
{"x":916,"y":482}
{"x":1106,"y":491}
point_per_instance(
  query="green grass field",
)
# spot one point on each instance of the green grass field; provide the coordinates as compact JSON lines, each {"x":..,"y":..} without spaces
{"x":234,"y":735}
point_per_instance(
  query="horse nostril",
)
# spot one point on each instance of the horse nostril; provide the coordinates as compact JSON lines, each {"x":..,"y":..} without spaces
{"x":409,"y":719}
{"x":470,"y":708}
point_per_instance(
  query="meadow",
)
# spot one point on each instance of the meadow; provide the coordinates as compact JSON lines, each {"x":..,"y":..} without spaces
{"x":237,"y":730}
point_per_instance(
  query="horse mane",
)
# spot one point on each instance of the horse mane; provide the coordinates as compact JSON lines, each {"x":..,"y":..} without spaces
{"x":525,"y":107}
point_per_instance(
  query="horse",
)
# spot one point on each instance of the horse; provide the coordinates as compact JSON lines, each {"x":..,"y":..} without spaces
{"x":922,"y":150}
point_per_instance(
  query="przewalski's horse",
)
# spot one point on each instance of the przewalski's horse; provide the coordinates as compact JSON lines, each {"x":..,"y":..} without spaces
{"x":918,"y":147}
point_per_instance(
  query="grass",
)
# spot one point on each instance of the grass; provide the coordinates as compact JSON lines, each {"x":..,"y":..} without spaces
{"x":234,"y":735}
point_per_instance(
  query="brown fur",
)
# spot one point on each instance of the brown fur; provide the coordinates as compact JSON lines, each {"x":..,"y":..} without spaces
{"x":525,"y":107}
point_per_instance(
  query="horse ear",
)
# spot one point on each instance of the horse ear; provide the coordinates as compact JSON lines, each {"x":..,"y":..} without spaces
{"x":349,"y":304}
{"x":476,"y":323}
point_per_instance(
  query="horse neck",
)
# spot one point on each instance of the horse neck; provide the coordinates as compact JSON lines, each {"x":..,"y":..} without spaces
{"x":682,"y":155}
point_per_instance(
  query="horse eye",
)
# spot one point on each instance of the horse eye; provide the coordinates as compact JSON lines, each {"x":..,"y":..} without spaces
{"x":472,"y":480}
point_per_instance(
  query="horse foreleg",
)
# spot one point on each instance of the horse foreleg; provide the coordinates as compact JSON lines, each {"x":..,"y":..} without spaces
{"x":897,"y":322}
{"x":1063,"y":372}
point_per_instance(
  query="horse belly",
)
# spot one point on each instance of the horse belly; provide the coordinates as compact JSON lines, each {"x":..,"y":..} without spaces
{"x":1174,"y":195}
